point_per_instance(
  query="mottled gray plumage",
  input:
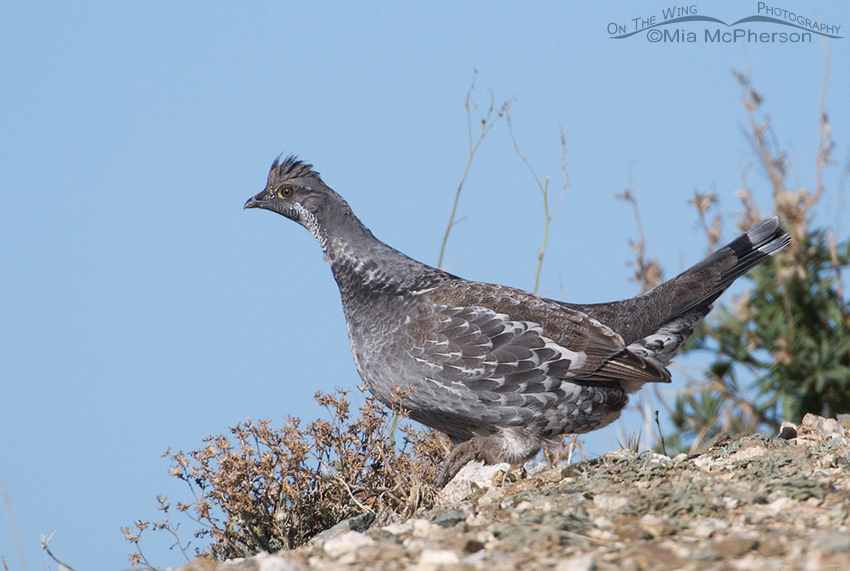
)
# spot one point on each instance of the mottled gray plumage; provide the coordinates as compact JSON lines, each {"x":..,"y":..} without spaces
{"x":499,"y":370}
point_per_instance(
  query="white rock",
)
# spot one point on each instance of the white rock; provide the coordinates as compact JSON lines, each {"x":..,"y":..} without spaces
{"x":346,"y":543}
{"x":533,"y":467}
{"x":585,"y":562}
{"x":830,"y":427}
{"x":438,"y":557}
{"x":479,"y":473}
{"x":730,"y":503}
{"x":277,"y":563}
{"x":655,"y":525}
{"x":474,"y":558}
{"x":473,"y":476}
{"x":523,"y":507}
{"x":708,"y":527}
{"x":704,"y":462}
{"x":493,"y":495}
{"x":609,"y":503}
{"x":602,"y":534}
{"x":421,"y":527}
{"x":397,"y":528}
{"x":781,"y":505}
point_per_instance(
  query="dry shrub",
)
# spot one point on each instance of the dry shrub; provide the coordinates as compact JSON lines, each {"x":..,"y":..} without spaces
{"x":266,"y":489}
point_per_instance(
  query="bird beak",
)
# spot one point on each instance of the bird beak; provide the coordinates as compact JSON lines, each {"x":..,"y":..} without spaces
{"x":253,"y":203}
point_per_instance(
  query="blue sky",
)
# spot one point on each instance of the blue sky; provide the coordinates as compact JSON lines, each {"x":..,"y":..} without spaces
{"x":141,"y":308}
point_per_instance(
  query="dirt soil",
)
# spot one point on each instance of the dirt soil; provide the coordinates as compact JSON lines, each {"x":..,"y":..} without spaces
{"x":753,"y":502}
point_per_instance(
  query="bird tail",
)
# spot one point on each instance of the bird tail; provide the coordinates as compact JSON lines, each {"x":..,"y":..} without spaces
{"x":675,"y":307}
{"x":683,"y":301}
{"x":698,"y":287}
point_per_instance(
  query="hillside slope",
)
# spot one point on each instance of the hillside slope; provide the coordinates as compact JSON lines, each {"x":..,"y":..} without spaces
{"x":753,"y":502}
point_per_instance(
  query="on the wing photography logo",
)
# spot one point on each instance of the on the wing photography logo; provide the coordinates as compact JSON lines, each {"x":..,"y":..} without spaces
{"x":684,"y":24}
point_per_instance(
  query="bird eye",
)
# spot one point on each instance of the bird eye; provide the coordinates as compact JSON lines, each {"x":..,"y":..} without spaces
{"x":284,"y":191}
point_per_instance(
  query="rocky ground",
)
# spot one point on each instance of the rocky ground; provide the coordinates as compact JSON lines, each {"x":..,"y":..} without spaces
{"x":755,"y":502}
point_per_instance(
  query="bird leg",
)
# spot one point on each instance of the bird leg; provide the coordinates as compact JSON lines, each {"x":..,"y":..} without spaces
{"x":480,"y":448}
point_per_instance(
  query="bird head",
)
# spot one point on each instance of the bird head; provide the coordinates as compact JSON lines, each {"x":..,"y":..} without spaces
{"x":293,"y":190}
{"x":296,"y":191}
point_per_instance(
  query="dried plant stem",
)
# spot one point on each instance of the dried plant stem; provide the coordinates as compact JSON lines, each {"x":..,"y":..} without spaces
{"x":344,"y":485}
{"x":486,"y":124}
{"x":660,"y":434}
{"x":170,"y":526}
{"x":825,"y":142}
{"x":7,"y":502}
{"x":703,"y":202}
{"x":544,"y":189}
{"x":648,"y":272}
{"x":45,"y":541}
{"x":572,"y":446}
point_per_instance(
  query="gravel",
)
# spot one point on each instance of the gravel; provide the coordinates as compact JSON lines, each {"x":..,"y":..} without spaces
{"x":753,"y":502}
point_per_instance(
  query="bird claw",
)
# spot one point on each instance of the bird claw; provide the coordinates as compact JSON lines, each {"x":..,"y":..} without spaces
{"x":482,"y":448}
{"x":462,"y":454}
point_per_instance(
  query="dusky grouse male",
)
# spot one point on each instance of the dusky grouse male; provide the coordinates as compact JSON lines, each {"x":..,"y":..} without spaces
{"x":499,"y":370}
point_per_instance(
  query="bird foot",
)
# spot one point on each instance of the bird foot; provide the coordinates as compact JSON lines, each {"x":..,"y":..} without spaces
{"x":481,"y":448}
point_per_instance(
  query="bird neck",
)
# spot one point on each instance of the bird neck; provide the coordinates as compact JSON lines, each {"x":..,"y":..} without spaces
{"x":361,"y":262}
{"x":376,"y":268}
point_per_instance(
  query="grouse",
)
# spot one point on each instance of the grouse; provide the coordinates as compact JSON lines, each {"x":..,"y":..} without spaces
{"x":499,"y":370}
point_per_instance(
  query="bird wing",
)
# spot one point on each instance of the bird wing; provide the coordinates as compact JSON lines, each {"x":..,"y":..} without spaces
{"x":515,"y":347}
